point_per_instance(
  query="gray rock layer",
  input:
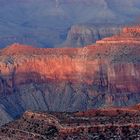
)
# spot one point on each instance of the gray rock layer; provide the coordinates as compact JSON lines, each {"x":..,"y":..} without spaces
{"x":82,"y":35}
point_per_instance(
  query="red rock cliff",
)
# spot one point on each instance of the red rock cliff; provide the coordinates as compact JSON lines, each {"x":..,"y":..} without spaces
{"x":93,"y":76}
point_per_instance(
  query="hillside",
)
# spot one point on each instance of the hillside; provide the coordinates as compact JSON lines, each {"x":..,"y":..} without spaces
{"x":70,"y":79}
{"x":121,"y":123}
{"x":45,"y":23}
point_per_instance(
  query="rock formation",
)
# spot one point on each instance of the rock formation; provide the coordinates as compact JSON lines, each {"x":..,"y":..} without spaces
{"x":107,"y":123}
{"x":82,"y":35}
{"x":45,"y":23}
{"x":68,"y":79}
{"x":128,"y":36}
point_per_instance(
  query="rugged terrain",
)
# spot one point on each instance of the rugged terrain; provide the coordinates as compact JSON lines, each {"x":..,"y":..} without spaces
{"x":82,"y":35}
{"x":70,"y":79}
{"x":101,"y":124}
{"x":45,"y":23}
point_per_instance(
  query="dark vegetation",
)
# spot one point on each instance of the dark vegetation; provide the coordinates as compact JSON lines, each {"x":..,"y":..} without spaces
{"x":98,"y":125}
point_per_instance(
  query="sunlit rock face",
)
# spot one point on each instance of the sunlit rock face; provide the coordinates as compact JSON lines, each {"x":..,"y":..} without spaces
{"x":68,"y":79}
{"x":128,"y":36}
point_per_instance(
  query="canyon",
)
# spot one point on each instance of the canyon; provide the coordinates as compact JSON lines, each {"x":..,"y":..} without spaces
{"x":69,"y":70}
{"x":83,"y":35}
{"x":105,"y":123}
{"x":105,"y":74}
{"x":128,"y":36}
{"x":49,"y":23}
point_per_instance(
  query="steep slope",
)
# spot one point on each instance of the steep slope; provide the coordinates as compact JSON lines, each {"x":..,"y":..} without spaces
{"x":115,"y":123}
{"x":68,"y":79}
{"x":82,"y":35}
{"x":45,"y":23}
{"x":129,"y":36}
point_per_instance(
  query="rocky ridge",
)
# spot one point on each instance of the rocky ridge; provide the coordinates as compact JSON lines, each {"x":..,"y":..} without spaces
{"x":45,"y":23}
{"x":82,"y":35}
{"x":68,"y":79}
{"x":107,"y":123}
{"x":128,"y":36}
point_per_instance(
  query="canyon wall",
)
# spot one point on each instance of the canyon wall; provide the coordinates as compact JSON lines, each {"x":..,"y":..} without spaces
{"x":45,"y":23}
{"x":68,"y":79}
{"x":82,"y":35}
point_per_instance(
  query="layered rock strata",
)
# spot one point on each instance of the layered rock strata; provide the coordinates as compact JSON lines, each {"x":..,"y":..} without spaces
{"x":70,"y":79}
{"x":82,"y":35}
{"x":128,"y":36}
{"x":107,"y":123}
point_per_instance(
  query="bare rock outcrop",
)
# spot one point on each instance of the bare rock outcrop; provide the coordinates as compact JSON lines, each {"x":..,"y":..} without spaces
{"x":82,"y":35}
{"x":68,"y":79}
{"x":106,"y":123}
{"x":128,"y":36}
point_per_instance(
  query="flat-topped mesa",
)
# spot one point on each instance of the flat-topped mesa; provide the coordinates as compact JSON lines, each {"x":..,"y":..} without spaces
{"x":21,"y":49}
{"x":17,"y":48}
{"x":128,"y":36}
{"x":74,"y":73}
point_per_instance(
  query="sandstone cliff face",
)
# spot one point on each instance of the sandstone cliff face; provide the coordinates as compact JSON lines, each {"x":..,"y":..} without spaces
{"x":128,"y":36}
{"x":82,"y":35}
{"x":69,"y":79}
